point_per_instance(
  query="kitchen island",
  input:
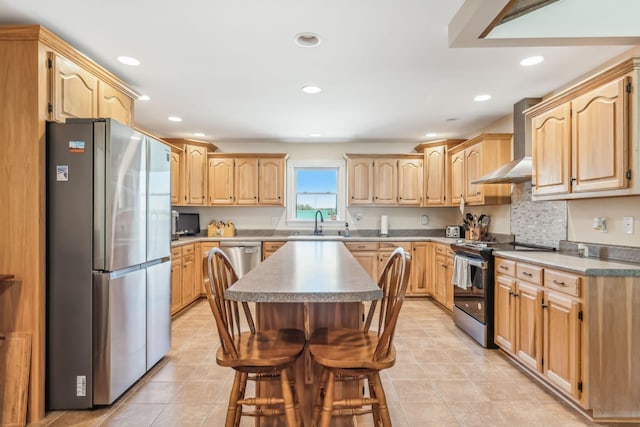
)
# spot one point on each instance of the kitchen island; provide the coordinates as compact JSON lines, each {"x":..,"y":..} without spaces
{"x":307,"y":285}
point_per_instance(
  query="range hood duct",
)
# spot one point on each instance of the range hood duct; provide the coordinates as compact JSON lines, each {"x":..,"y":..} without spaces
{"x":518,"y":170}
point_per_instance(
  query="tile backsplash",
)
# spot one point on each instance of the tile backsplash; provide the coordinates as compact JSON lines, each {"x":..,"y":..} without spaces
{"x":540,"y":222}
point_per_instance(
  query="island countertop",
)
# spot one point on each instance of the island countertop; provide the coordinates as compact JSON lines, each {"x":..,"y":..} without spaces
{"x":307,"y":271}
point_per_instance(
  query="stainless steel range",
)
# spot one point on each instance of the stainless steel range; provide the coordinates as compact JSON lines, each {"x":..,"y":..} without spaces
{"x":473,"y":290}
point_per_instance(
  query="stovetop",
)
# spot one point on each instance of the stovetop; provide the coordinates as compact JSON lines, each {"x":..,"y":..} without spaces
{"x":485,"y":249}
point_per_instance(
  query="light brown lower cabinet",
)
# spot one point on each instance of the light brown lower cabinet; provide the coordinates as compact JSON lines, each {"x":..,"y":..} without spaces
{"x":442,"y":271}
{"x":269,"y":247}
{"x":366,"y":253}
{"x":184,"y":287}
{"x":576,"y":333}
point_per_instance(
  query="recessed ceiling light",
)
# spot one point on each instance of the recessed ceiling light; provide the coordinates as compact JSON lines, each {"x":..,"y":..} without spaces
{"x":127,"y":60}
{"x":174,"y":119}
{"x":307,"y":40}
{"x":532,"y":60}
{"x":200,"y":134}
{"x":430,"y":134}
{"x":143,"y":98}
{"x":311,"y":89}
{"x":481,"y":98}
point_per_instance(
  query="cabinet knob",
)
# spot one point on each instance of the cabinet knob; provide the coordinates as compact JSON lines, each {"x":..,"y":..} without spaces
{"x":544,"y":306}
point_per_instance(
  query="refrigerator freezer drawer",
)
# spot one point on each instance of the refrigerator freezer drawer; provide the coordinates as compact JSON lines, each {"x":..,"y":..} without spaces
{"x":119,"y":323}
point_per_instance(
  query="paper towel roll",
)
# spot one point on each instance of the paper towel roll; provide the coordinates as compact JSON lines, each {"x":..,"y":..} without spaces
{"x":384,"y":225}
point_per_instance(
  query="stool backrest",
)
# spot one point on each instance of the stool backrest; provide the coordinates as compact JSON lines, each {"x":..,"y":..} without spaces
{"x":393,"y":281}
{"x":225,"y":312}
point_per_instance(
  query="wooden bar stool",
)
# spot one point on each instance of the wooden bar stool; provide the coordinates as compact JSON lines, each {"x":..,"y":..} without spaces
{"x":350,"y":354}
{"x":254,"y":355}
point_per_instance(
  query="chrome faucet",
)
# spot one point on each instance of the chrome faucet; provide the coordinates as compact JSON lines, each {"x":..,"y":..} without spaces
{"x":317,"y":231}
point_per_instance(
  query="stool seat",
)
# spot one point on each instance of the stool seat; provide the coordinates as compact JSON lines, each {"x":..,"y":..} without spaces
{"x":272,"y":348}
{"x":348,"y":349}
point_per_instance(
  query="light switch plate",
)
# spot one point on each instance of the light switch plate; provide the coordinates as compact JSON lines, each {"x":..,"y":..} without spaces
{"x":627,"y":224}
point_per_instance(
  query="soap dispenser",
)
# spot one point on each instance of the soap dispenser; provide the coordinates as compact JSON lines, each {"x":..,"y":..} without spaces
{"x":346,"y":230}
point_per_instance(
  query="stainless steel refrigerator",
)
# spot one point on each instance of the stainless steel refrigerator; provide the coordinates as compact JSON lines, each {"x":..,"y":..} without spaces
{"x":108,"y":267}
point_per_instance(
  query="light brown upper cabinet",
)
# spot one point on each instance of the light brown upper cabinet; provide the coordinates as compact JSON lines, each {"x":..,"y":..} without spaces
{"x":79,"y":93}
{"x":471,"y":160}
{"x":189,"y":165}
{"x":385,"y":180}
{"x":221,"y":178}
{"x":582,"y":145}
{"x":248,"y":180}
{"x":435,"y":171}
{"x":176,"y":161}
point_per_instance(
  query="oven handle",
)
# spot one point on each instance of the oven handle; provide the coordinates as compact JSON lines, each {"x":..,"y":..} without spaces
{"x":475,"y":262}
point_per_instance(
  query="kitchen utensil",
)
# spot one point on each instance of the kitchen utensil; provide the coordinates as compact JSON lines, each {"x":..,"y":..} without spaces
{"x":485,"y":220}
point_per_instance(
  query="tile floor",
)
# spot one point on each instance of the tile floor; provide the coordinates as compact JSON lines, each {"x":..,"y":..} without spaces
{"x":442,"y":378}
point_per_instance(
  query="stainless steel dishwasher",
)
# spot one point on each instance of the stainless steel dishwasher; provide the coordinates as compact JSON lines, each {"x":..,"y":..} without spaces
{"x":243,"y":255}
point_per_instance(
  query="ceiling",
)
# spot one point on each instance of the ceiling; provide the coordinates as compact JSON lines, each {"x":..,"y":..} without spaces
{"x":231,"y":69}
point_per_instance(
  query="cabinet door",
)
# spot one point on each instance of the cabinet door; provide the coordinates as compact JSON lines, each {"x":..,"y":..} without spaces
{"x":440,"y":278}
{"x":562,"y":342}
{"x":114,"y":104}
{"x":418,"y":284}
{"x":195,"y":174}
{"x":434,"y":171}
{"x":271,"y":184}
{"x":457,"y":177}
{"x":246,"y":181}
{"x":505,"y":313}
{"x":448,"y":286}
{"x":221,"y":186}
{"x":360,"y":181}
{"x":188,"y":279}
{"x":473,"y":170}
{"x":74,"y":91}
{"x":410,"y":182}
{"x":368,"y":261}
{"x":176,"y":285}
{"x":175,"y":178}
{"x":385,"y":181}
{"x":599,"y":137}
{"x":551,"y":151}
{"x":529,"y":325}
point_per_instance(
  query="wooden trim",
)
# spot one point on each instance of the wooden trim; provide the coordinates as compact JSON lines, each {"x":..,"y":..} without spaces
{"x":420,"y":148}
{"x":52,"y":41}
{"x":179,"y":142}
{"x":473,"y":141}
{"x":247,"y":155}
{"x":385,"y":156}
{"x":498,"y":19}
{"x":587,"y":85}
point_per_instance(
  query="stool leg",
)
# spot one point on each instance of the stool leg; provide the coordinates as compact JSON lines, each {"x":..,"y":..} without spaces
{"x":233,"y":409}
{"x":317,"y":406}
{"x":291,"y":371}
{"x":243,"y":387}
{"x":327,"y":407}
{"x":372,"y":394}
{"x":287,"y":395}
{"x":383,"y":409}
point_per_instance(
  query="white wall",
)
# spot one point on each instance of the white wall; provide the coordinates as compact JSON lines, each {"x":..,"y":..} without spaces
{"x":582,"y":212}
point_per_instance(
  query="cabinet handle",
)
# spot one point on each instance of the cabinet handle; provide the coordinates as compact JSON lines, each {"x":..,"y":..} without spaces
{"x":555,"y":282}
{"x":526,"y":273}
{"x":544,"y":306}
{"x":515,"y":294}
{"x":504,"y":267}
{"x":510,"y":292}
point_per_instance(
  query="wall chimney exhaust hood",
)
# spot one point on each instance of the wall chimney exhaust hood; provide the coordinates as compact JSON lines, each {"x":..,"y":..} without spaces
{"x":518,"y":170}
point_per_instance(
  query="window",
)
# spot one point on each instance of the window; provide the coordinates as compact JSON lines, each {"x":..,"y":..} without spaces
{"x":315,"y":186}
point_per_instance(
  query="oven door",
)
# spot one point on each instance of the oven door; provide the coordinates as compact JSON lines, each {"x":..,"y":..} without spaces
{"x":472,"y":300}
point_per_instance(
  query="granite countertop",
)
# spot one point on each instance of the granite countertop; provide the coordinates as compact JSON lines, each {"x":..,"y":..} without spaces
{"x":307,"y":271}
{"x":580,"y":265}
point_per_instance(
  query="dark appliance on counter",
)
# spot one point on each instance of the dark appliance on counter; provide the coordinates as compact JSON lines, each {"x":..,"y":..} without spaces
{"x":188,"y":224}
{"x":108,"y":260}
{"x":473,"y":301}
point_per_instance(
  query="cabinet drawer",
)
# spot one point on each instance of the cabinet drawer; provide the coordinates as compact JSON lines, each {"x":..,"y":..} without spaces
{"x":188,"y":249}
{"x":176,"y":252}
{"x":442,"y":249}
{"x":390,"y":246}
{"x":206,"y":247}
{"x":272,"y":246}
{"x":505,"y":266}
{"x":362,"y":246}
{"x":563,"y":282}
{"x":530,"y":273}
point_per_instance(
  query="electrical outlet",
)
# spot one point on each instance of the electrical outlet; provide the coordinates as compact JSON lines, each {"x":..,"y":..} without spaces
{"x":424,"y":220}
{"x":627,"y":224}
{"x":583,"y":250}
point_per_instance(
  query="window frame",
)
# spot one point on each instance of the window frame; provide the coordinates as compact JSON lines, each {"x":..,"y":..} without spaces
{"x":341,"y":195}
